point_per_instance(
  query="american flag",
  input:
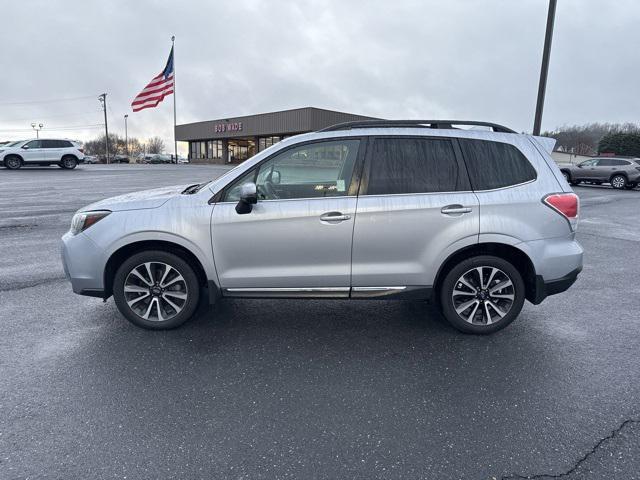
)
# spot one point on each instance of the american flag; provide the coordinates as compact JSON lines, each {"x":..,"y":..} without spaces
{"x":157,"y":89}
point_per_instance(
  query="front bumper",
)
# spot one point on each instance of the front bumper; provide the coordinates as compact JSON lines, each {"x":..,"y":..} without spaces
{"x":82,"y":265}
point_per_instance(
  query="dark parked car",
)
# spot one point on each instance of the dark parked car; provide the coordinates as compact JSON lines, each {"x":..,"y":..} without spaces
{"x":619,"y":172}
{"x":120,"y":159}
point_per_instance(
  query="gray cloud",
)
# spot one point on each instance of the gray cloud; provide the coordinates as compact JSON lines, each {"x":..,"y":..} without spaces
{"x":461,"y":59}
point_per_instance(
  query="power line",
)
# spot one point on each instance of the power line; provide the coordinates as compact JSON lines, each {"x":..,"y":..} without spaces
{"x":67,"y":127}
{"x":53,"y":100}
{"x":39,"y":118}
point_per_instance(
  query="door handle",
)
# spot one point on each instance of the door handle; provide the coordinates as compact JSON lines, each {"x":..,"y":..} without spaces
{"x":455,"y":210}
{"x":334,"y":217}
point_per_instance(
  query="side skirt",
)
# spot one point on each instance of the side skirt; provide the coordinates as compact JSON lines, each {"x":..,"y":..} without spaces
{"x":391,"y":292}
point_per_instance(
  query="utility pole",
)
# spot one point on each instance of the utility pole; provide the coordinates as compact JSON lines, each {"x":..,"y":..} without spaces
{"x":103,"y":100}
{"x":126,"y":135}
{"x":544,"y":70}
{"x":173,"y":59}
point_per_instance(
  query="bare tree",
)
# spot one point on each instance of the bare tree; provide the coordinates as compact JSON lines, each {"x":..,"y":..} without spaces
{"x":583,"y":139}
{"x":155,"y":145}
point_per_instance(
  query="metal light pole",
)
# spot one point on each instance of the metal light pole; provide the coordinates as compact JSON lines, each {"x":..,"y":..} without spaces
{"x":103,"y":100}
{"x":37,"y":128}
{"x":126,"y":135}
{"x":542,"y":86}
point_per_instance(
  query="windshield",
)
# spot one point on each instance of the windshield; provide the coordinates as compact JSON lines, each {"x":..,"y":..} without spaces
{"x":14,"y":144}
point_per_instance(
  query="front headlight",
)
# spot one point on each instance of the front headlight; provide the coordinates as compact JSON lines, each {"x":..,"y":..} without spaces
{"x":81,"y":221}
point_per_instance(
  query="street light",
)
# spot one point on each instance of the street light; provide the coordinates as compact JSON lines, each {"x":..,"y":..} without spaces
{"x":37,"y":128}
{"x":126,"y":136}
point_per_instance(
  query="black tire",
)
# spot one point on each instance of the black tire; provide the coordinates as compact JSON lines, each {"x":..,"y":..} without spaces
{"x":618,"y":182}
{"x":13,"y":162}
{"x":476,"y":326}
{"x":189,"y":287}
{"x":69,"y":162}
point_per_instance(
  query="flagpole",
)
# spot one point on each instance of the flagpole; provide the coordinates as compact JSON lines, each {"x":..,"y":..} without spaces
{"x":175,"y":142}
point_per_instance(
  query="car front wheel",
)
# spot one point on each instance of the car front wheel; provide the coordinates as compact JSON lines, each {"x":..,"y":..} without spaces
{"x":482,"y":294}
{"x":12,"y":162}
{"x":156,"y":290}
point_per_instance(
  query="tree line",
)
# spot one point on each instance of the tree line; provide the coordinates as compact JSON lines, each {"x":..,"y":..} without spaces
{"x":117,"y":146}
{"x":598,"y":138}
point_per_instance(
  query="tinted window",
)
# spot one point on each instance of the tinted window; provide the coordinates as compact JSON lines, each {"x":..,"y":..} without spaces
{"x":619,"y":163}
{"x":413,"y":165}
{"x":34,"y":144}
{"x":50,"y":144}
{"x":321,"y":169}
{"x":588,"y":163}
{"x":495,"y":165}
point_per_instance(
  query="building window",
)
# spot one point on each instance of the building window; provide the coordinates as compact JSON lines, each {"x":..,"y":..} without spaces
{"x":266,"y":142}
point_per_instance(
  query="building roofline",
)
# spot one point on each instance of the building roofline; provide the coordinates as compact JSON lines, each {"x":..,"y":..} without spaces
{"x":223,"y":119}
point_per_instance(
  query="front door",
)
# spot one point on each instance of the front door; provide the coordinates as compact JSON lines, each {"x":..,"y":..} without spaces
{"x":33,"y":151}
{"x":415,"y":205}
{"x":297,"y":238}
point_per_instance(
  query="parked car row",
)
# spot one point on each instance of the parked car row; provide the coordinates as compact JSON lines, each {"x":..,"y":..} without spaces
{"x":618,"y":172}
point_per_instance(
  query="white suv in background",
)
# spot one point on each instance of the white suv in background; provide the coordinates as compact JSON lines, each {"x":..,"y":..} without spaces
{"x":64,"y":153}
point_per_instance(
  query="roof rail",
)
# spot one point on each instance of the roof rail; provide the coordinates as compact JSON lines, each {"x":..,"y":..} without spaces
{"x":438,"y":124}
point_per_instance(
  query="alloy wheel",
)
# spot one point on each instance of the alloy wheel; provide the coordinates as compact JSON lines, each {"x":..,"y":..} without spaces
{"x":483,"y":295}
{"x":618,"y":182}
{"x":155,"y":291}
{"x":13,"y":163}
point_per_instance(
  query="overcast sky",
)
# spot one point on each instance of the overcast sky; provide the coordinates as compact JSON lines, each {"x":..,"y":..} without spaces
{"x":394,"y":59}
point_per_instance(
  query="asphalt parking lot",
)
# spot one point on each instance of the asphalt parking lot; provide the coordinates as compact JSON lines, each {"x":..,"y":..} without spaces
{"x":309,"y":389}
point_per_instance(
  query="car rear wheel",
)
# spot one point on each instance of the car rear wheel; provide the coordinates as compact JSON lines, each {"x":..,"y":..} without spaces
{"x":482,"y":294}
{"x":618,"y":181}
{"x":156,"y":290}
{"x":12,"y":162}
{"x":68,"y":162}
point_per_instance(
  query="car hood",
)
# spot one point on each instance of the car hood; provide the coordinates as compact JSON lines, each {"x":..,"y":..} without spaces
{"x":138,"y":200}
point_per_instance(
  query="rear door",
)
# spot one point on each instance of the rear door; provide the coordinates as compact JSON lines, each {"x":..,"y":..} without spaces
{"x":297,"y":238}
{"x":415,"y":206}
{"x":53,"y":149}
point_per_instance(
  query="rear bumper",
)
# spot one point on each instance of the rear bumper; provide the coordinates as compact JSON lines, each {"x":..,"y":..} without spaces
{"x":551,"y":287}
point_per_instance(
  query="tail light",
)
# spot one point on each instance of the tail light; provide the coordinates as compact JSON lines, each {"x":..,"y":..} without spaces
{"x":566,"y":204}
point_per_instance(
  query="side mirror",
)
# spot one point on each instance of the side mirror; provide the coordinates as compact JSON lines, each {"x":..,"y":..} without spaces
{"x":25,"y":147}
{"x":275,"y":177}
{"x":248,"y":198}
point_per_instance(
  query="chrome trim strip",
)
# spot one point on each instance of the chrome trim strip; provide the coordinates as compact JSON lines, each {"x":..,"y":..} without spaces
{"x":373,"y":292}
{"x":306,"y":289}
{"x":286,"y":292}
{"x":378,"y":289}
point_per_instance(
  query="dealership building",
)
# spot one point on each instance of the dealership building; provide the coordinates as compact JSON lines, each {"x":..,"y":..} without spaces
{"x":234,"y":139}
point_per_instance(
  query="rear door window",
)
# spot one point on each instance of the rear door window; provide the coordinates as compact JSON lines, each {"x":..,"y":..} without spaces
{"x":494,"y":165}
{"x":403,"y":165}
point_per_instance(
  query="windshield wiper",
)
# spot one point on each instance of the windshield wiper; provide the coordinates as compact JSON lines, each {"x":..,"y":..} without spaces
{"x":191,"y":189}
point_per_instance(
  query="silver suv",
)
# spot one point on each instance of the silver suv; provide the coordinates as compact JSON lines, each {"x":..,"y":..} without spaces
{"x":476,"y":221}
{"x":619,"y":172}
